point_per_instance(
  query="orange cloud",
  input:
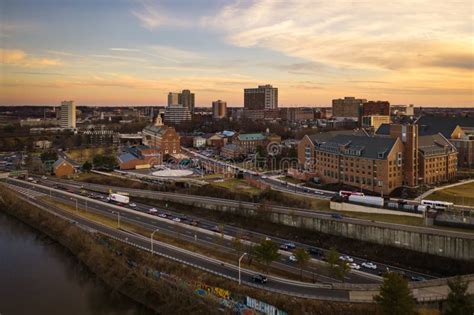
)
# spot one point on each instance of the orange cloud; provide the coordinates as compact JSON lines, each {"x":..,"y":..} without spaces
{"x":17,"y":57}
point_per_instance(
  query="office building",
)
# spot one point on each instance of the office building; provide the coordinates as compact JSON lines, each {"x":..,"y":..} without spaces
{"x":376,"y":108}
{"x":374,"y":121}
{"x":173,"y":98}
{"x":219,"y":109}
{"x":177,"y":114}
{"x":68,"y":115}
{"x":348,"y":107}
{"x":262,"y":98}
{"x":186,"y":98}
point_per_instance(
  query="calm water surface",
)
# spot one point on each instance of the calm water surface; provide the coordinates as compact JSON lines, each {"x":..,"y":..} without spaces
{"x":37,"y":276}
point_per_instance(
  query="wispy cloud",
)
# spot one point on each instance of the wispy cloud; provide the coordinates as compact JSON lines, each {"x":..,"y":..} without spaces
{"x":152,"y":15}
{"x":17,"y":57}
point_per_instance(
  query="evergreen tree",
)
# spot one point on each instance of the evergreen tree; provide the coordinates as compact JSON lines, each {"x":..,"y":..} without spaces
{"x":459,"y":302}
{"x":395,"y":297}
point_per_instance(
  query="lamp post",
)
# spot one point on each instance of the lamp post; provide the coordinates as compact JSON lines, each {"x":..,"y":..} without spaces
{"x":151,"y":240}
{"x":75,"y":199}
{"x":240,"y":259}
{"x":118,"y":218}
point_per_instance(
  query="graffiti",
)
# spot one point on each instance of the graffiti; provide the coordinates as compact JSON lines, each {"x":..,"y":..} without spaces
{"x":220,"y":293}
{"x":264,"y":307}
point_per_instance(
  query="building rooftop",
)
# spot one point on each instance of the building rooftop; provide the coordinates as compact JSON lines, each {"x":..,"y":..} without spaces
{"x":251,"y":137}
{"x":431,"y":145}
{"x":359,"y":146}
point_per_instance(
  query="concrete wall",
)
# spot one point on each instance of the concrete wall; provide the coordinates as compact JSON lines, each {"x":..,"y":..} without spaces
{"x":433,"y":241}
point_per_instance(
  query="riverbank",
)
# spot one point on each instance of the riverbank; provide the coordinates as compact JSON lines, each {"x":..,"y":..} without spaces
{"x":158,"y":282}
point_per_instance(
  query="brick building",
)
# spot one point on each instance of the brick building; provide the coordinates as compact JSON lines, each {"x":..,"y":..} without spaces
{"x":163,"y":137}
{"x":463,"y":139}
{"x":63,"y":168}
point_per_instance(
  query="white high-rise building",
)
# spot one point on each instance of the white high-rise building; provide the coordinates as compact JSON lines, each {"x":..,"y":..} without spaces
{"x":68,"y":115}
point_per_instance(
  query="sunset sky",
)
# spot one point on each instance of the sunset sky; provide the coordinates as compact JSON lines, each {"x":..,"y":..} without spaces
{"x":119,"y":52}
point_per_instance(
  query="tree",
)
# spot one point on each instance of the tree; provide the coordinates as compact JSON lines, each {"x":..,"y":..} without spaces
{"x":459,"y":302}
{"x":302,"y":259}
{"x":395,"y":297}
{"x":48,"y":156}
{"x":87,"y":166}
{"x":338,"y":267}
{"x":266,"y":252}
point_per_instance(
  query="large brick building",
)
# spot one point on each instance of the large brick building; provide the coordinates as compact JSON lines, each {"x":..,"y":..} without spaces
{"x":463,"y":139}
{"x":165,"y":138}
{"x":379,"y":164}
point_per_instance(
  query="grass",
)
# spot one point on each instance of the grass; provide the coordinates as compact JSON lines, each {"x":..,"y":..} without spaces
{"x":237,"y":185}
{"x":84,"y":154}
{"x":461,"y":195}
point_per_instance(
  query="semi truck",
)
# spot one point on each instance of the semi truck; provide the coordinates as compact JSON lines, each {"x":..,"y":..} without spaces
{"x":118,"y":198}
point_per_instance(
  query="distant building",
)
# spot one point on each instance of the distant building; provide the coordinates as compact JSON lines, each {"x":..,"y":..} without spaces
{"x":177,"y":114}
{"x":376,"y":108}
{"x":165,"y":138}
{"x":231,"y":151}
{"x":219,"y":109}
{"x":38,"y":122}
{"x":262,"y":98}
{"x":68,"y":115}
{"x":101,"y":137}
{"x":437,"y":160}
{"x":402,"y":110}
{"x":185,"y":98}
{"x":295,"y":114}
{"x":463,"y":139}
{"x":63,"y":168}
{"x":43,"y":144}
{"x":261,"y":114}
{"x":199,"y":142}
{"x":139,"y":157}
{"x":374,"y":121}
{"x":348,"y":107}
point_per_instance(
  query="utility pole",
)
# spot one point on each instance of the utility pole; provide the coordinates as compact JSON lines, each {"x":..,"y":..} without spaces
{"x":240,"y":259}
{"x":151,"y":240}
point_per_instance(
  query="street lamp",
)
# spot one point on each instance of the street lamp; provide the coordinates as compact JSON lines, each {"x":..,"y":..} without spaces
{"x":240,"y":259}
{"x":151,"y":240}
{"x":76,"y":204}
{"x":118,"y":218}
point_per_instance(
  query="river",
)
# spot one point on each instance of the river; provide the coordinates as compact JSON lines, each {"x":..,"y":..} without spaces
{"x":38,"y":276}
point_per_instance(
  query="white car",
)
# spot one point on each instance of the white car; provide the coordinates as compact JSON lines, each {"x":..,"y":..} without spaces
{"x":369,"y":265}
{"x":346,"y":258}
{"x":292,"y":258}
{"x":354,"y":266}
{"x":153,"y":210}
{"x":177,"y":220}
{"x":162,"y":215}
{"x":44,"y":177}
{"x":133,"y":205}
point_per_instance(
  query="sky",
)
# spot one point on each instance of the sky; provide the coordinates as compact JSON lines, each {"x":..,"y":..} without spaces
{"x":118,"y":52}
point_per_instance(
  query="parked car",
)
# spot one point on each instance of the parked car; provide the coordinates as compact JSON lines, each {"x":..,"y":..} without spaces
{"x":354,"y":266}
{"x":259,"y":279}
{"x":346,"y":258}
{"x":369,"y":265}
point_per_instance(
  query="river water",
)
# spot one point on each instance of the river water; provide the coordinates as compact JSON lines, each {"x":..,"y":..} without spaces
{"x":38,"y":276}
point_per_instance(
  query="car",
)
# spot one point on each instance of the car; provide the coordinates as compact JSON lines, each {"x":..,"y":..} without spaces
{"x":44,"y":177}
{"x":369,"y":265}
{"x":346,"y":258}
{"x":162,"y":215}
{"x":194,"y":222}
{"x":215,"y":228}
{"x":290,"y":245}
{"x":259,"y":279}
{"x":267,"y":238}
{"x":177,"y":219}
{"x":315,"y":252}
{"x":293,"y":258}
{"x":417,"y":278}
{"x":336,"y":216}
{"x":284,"y":247}
{"x":245,"y":237}
{"x":133,"y":205}
{"x":153,"y":210}
{"x":354,"y":266}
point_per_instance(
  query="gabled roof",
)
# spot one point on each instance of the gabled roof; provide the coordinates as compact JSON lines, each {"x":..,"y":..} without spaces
{"x":59,"y":162}
{"x":431,"y":125}
{"x":251,"y":137}
{"x":126,"y":157}
{"x":357,"y":146}
{"x":383,"y":130}
{"x":434,"y":145}
{"x":155,"y":129}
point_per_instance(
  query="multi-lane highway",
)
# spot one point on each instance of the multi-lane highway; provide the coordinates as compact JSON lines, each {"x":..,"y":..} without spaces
{"x":231,"y":231}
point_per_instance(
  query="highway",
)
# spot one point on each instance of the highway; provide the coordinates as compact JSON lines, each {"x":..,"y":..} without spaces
{"x":201,"y":234}
{"x":233,"y":231}
{"x":274,"y":284}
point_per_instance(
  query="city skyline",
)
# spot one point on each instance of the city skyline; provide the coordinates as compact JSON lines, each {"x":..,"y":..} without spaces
{"x":135,"y":52}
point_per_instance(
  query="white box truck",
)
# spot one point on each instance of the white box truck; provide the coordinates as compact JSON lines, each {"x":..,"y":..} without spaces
{"x":119,"y":198}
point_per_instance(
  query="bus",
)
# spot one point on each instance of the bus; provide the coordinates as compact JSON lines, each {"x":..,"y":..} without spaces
{"x":346,"y":193}
{"x":436,"y":204}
